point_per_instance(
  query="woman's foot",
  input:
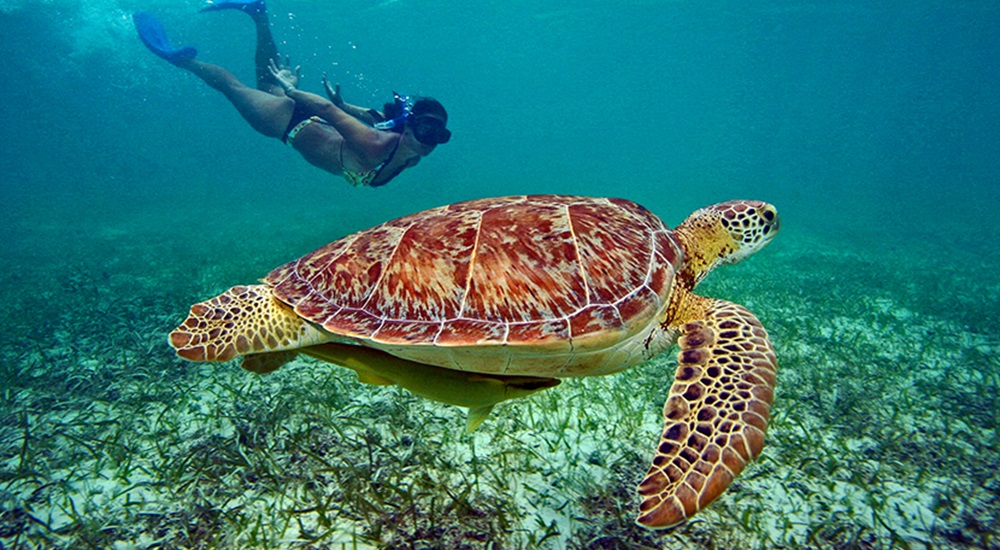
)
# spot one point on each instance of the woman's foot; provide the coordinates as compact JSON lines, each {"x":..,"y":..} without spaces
{"x":154,"y":36}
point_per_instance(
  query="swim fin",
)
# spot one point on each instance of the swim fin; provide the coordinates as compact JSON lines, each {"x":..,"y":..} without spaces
{"x":251,"y":7}
{"x":154,"y":36}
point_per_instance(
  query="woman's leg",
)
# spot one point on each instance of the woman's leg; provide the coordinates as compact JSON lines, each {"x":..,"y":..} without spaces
{"x":266,"y":51}
{"x":268,"y":114}
{"x":266,"y":108}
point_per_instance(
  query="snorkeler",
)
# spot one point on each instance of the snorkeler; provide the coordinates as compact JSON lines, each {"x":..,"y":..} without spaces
{"x":367,"y":147}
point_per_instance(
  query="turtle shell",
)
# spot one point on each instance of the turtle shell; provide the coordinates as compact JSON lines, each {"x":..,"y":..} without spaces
{"x":494,"y":285}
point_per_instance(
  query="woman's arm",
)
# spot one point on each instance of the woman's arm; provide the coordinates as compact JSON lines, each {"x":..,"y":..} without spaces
{"x":362,"y":139}
{"x":360,"y":113}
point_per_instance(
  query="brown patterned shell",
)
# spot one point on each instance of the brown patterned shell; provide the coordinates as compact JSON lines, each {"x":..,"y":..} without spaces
{"x":531,"y":271}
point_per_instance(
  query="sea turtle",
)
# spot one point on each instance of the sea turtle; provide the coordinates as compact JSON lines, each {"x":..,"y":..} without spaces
{"x":542,"y":286}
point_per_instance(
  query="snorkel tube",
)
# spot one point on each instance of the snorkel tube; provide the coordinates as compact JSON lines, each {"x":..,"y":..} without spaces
{"x":405,"y":105}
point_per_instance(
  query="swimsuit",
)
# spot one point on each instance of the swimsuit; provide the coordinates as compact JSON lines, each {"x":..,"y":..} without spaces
{"x":300,"y":120}
{"x":289,"y":136}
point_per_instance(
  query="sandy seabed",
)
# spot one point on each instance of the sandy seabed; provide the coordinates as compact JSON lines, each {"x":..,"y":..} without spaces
{"x":883,"y":432}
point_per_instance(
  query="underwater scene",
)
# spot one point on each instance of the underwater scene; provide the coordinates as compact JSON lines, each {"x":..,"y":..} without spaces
{"x":131,"y":191}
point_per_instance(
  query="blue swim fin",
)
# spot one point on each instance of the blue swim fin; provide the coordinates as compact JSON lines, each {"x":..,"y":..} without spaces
{"x":154,"y":36}
{"x":252,"y":7}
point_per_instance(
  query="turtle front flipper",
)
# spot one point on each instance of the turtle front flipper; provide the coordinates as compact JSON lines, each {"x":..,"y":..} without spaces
{"x":717,"y":411}
{"x":242,"y":320}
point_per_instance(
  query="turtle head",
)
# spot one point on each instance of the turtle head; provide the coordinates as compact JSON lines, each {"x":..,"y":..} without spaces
{"x":725,"y":233}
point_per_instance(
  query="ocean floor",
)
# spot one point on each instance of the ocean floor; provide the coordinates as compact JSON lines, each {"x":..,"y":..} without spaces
{"x":884,"y":430}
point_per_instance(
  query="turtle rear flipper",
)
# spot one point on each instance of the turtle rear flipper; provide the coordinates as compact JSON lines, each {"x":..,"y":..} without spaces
{"x":242,"y":320}
{"x":716,"y":414}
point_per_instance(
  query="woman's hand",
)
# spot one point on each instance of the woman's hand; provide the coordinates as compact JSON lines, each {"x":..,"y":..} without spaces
{"x":284,"y":75}
{"x":333,"y":92}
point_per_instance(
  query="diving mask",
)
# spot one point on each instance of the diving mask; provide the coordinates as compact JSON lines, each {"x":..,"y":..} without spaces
{"x":429,"y":130}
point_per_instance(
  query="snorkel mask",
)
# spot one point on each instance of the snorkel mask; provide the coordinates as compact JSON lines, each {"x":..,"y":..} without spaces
{"x":427,"y":129}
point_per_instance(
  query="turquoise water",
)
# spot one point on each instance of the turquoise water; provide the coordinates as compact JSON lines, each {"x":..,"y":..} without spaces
{"x":131,"y":191}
